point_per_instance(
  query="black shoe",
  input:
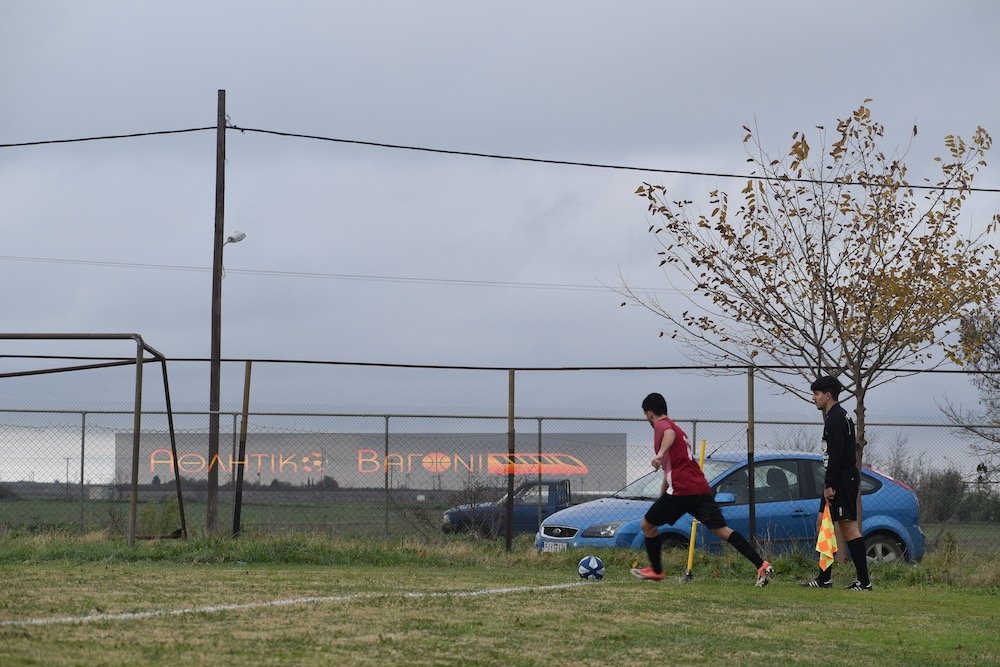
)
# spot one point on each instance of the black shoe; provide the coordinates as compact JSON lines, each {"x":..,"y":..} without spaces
{"x":816,"y":583}
{"x":858,"y":586}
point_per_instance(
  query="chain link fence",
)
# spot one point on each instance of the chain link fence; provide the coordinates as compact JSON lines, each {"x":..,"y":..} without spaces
{"x":398,"y":475}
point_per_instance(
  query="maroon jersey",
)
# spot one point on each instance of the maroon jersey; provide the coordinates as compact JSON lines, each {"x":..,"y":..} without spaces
{"x":684,"y":477}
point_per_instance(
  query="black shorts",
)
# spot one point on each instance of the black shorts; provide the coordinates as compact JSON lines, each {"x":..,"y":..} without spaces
{"x":667,"y":509}
{"x":844,"y":506}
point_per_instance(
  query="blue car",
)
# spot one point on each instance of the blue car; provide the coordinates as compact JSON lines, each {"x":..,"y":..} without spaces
{"x":787,"y":490}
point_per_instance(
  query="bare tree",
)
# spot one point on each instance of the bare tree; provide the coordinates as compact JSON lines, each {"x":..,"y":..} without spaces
{"x":896,"y":461}
{"x":981,"y":426}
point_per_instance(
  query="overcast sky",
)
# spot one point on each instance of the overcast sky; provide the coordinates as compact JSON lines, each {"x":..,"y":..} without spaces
{"x":665,"y":85}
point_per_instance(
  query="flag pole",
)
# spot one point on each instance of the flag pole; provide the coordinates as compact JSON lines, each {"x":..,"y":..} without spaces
{"x":694,"y":522}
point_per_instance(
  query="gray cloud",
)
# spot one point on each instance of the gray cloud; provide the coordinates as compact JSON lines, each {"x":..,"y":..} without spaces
{"x":646,"y":83}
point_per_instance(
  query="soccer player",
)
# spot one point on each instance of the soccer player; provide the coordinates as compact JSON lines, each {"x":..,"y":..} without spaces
{"x":840,"y":484}
{"x":684,"y":490}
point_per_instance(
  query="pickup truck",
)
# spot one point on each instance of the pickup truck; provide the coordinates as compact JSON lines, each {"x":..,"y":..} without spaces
{"x":533,"y":501}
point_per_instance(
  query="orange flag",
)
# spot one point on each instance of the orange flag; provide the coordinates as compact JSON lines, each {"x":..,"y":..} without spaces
{"x":826,"y":541}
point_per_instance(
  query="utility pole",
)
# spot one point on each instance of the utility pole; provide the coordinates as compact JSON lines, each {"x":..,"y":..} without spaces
{"x":212,"y":497}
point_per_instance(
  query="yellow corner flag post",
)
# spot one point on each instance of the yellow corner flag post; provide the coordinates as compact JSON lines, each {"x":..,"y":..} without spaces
{"x":694,"y":522}
{"x":826,"y":541}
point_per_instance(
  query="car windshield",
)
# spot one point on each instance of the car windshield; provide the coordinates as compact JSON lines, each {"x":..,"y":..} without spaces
{"x":527,"y":494}
{"x":647,"y":487}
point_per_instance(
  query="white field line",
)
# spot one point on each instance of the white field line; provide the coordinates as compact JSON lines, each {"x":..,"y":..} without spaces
{"x":288,"y":602}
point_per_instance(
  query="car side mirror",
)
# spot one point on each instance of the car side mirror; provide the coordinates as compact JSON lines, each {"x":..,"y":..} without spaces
{"x":724,"y":498}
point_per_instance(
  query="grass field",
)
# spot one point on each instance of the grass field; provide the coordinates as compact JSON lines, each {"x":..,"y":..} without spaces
{"x":343,"y":518}
{"x":354,"y":518}
{"x":309,"y":601}
{"x":980,"y":535}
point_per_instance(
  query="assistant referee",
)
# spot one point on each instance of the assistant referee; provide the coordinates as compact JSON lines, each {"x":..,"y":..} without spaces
{"x":840,"y":483}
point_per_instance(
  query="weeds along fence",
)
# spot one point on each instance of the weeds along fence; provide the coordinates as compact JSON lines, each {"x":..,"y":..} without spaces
{"x":394,"y":475}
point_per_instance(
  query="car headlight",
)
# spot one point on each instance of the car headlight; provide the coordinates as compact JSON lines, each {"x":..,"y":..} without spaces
{"x":603,"y":529}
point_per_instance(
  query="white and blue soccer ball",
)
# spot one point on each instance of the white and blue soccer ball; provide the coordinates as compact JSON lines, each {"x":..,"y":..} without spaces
{"x":591,"y":567}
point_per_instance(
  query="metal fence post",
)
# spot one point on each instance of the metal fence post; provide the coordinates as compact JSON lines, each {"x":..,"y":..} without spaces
{"x":133,"y":505}
{"x":385,"y":468}
{"x":540,"y":472}
{"x":83,"y":447}
{"x":510,"y":461}
{"x":239,"y":460}
{"x":232,"y":468}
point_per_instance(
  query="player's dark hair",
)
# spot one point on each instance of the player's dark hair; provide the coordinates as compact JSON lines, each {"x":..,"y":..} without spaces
{"x":828,"y":383}
{"x":655,"y":403}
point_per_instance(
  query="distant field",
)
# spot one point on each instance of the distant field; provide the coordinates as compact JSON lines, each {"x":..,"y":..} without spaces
{"x":315,"y":603}
{"x":982,"y":536}
{"x":340,"y":518}
{"x":344,"y":518}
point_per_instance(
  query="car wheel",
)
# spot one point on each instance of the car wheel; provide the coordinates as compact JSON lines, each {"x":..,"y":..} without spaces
{"x":882,"y":548}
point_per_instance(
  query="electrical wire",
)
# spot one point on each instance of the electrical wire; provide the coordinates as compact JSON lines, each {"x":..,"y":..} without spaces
{"x":103,"y":138}
{"x":342,"y":276}
{"x":592,"y":165}
{"x":490,"y":156}
{"x":373,"y":364}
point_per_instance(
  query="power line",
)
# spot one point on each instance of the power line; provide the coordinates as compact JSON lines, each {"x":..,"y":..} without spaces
{"x":490,"y":156}
{"x":592,"y":165}
{"x":340,"y":276}
{"x":103,"y":138}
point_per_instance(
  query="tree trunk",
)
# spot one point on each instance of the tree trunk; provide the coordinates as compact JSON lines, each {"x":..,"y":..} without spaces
{"x":859,"y":413}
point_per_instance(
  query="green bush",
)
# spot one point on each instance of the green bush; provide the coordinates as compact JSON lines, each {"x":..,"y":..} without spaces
{"x":159,"y":519}
{"x":980,"y":505}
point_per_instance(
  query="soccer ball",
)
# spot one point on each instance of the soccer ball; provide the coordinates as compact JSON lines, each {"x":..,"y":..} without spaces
{"x":591,"y":567}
